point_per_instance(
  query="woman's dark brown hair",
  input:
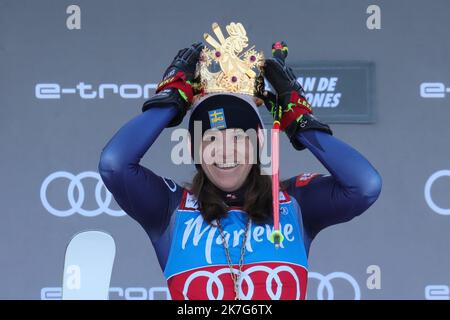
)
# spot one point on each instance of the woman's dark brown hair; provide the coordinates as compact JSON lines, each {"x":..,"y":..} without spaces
{"x":258,"y":197}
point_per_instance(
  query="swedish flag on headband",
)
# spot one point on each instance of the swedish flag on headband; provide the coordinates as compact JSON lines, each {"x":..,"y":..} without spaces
{"x":217,"y":118}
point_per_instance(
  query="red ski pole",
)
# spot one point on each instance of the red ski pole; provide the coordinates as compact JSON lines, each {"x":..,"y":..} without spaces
{"x":279,"y":51}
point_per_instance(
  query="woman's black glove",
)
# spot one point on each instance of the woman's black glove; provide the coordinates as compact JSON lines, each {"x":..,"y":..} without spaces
{"x":175,"y":87}
{"x":296,"y":111}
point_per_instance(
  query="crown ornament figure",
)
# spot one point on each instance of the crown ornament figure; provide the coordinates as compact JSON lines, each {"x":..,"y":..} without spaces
{"x":227,"y":66}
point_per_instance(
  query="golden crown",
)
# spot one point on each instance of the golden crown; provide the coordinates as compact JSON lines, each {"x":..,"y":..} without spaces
{"x":227,"y":67}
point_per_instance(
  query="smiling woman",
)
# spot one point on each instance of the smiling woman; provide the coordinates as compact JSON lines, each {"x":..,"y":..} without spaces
{"x":212,"y":238}
{"x":228,"y":169}
{"x":227,"y":158}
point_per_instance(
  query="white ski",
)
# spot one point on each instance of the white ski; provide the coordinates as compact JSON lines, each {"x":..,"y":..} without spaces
{"x":88,"y":266}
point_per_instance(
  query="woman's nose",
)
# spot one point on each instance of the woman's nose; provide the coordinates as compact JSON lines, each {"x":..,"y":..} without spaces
{"x":226,"y":150}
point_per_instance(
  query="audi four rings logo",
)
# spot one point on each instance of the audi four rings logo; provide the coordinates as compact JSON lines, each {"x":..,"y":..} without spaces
{"x":76,"y":204}
{"x":213,"y":278}
{"x":427,"y":191}
{"x":326,"y":286}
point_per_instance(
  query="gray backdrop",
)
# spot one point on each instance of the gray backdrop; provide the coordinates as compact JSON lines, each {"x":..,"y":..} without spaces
{"x":132,"y":42}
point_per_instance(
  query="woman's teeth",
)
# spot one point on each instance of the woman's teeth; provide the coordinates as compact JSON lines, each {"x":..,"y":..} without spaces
{"x":226,"y":165}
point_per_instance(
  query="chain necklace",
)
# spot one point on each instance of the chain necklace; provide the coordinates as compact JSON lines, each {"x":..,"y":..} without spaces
{"x":234,"y":277}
